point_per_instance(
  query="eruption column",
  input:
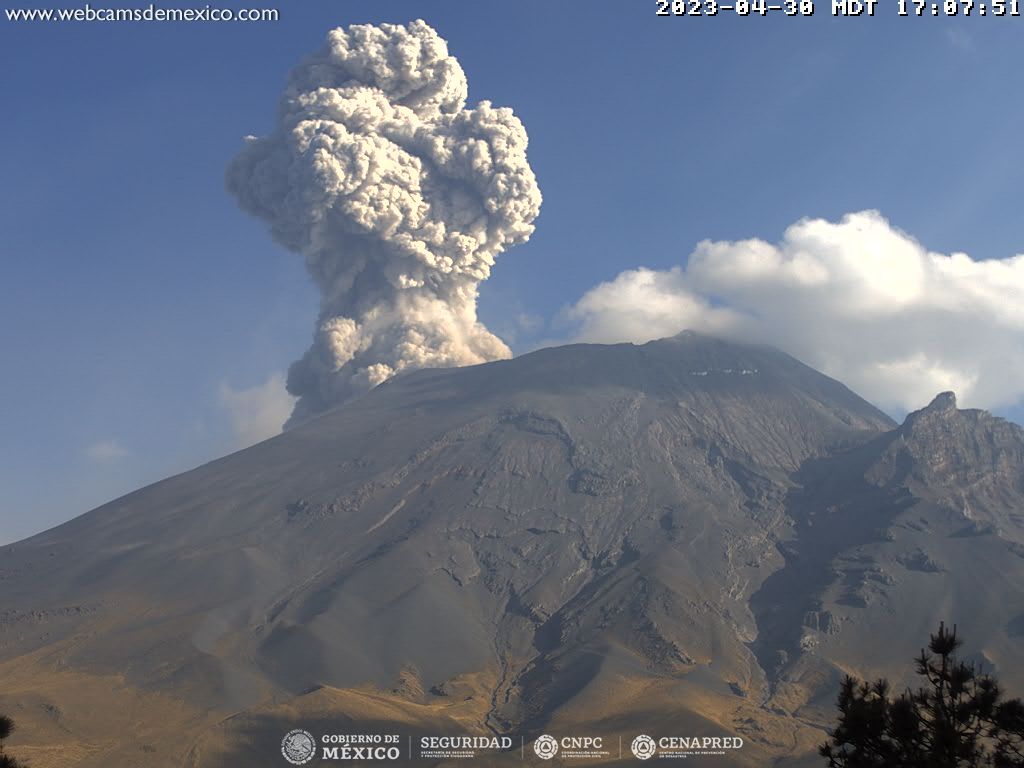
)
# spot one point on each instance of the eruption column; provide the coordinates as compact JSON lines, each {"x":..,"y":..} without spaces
{"x":399,"y":198}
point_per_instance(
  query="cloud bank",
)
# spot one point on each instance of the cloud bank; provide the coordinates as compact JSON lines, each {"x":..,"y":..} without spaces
{"x":858,"y":299}
{"x":398,"y":196}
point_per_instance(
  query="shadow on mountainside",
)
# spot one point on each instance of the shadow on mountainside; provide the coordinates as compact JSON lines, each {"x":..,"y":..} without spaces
{"x":835,"y":510}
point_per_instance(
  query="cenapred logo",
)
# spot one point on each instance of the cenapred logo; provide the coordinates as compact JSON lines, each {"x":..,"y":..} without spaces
{"x":643,"y":747}
{"x":298,"y":747}
{"x":546,"y":747}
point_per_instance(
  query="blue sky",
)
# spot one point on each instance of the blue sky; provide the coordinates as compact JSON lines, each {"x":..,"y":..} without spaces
{"x":134,"y":291}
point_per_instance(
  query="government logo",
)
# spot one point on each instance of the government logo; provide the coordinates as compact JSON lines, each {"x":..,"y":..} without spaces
{"x":298,"y":747}
{"x":546,"y":747}
{"x":643,"y":747}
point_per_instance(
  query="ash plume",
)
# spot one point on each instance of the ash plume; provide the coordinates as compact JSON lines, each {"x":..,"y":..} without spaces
{"x":398,"y":196}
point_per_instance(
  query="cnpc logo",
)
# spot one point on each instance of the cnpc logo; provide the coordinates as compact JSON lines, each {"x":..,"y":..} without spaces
{"x":546,"y":747}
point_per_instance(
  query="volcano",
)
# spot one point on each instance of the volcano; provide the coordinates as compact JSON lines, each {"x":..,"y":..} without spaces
{"x":687,"y":537}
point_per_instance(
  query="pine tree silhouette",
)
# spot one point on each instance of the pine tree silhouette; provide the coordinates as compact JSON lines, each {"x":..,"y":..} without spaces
{"x":6,"y":729}
{"x":956,"y":720}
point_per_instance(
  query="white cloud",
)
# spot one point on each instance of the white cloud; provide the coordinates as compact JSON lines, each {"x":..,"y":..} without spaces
{"x":258,"y":412}
{"x":857,"y":299}
{"x":105,"y":451}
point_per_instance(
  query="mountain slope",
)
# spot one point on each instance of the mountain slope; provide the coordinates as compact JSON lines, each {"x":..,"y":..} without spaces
{"x":691,"y":532}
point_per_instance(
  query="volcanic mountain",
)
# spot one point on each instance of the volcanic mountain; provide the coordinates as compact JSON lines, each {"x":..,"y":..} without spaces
{"x":688,"y":537}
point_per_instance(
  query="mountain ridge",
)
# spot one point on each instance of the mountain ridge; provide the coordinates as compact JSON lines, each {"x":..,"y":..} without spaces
{"x":542,"y":539}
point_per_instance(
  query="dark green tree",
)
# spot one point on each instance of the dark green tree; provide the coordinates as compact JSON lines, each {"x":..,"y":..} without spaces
{"x":957,"y":719}
{"x":6,"y":728}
